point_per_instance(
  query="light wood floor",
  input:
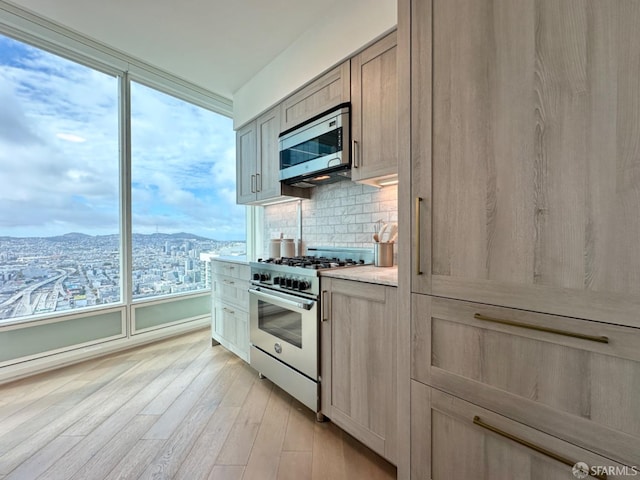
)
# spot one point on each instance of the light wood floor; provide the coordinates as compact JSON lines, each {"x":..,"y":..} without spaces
{"x":174,"y":409}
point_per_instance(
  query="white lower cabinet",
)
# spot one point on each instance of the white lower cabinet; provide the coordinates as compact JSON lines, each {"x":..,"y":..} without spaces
{"x":230,"y":308}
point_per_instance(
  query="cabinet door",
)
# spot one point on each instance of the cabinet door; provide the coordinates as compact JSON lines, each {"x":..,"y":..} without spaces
{"x":325,"y":92}
{"x":454,"y":439}
{"x":268,"y":166}
{"x":224,"y":323}
{"x":374,"y":116}
{"x":535,"y":187}
{"x":359,"y":361}
{"x":246,"y":156}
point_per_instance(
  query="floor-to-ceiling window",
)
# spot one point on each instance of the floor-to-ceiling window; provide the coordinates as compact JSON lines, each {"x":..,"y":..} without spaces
{"x":183,"y":193}
{"x":70,"y":219}
{"x":59,"y":184}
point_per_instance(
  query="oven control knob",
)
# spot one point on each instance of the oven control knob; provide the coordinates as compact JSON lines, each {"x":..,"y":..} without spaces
{"x":277,"y":347}
{"x":304,"y":285}
{"x":276,"y":280}
{"x":289,"y":283}
{"x":256,"y":276}
{"x":264,"y":277}
{"x":295,"y":284}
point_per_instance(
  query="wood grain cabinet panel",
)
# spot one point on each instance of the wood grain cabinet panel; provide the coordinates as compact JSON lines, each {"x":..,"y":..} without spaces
{"x":468,"y":441}
{"x":374,"y":115}
{"x":327,"y":91}
{"x":246,"y":164}
{"x":358,"y":387}
{"x":258,"y":162}
{"x":528,"y":154}
{"x":534,"y":368}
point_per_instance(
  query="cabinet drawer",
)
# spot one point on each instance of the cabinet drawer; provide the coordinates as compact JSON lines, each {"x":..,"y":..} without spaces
{"x":231,"y":328}
{"x":576,"y":379}
{"x":231,"y":290}
{"x":230,"y":269}
{"x":454,"y":439}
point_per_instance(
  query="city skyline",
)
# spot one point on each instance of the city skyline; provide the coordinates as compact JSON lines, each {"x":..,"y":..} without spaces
{"x":44,"y":275}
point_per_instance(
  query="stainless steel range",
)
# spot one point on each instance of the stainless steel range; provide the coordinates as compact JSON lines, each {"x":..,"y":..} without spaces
{"x":285,"y":315}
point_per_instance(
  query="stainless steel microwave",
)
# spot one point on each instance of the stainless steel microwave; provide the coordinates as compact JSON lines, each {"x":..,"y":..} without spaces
{"x":317,"y":151}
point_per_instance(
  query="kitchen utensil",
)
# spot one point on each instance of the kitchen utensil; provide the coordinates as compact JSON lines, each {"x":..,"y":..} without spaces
{"x":394,"y":237}
{"x":376,"y":238}
{"x":392,"y":233}
{"x":381,"y":232}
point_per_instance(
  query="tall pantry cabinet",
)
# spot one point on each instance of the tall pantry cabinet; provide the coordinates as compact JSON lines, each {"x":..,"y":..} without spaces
{"x":523,"y":227}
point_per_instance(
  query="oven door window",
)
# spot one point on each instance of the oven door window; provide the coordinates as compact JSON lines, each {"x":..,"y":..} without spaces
{"x":280,"y":322}
{"x":320,"y":146}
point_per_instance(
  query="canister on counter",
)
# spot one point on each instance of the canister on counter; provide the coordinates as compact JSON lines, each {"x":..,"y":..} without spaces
{"x":287,"y":248}
{"x":274,"y":248}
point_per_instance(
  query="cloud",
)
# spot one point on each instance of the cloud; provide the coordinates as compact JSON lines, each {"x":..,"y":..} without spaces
{"x":59,"y":153}
{"x":70,"y":137}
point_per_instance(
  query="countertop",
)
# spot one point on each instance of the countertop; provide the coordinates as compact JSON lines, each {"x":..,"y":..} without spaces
{"x":368,"y":273}
{"x":242,"y":259}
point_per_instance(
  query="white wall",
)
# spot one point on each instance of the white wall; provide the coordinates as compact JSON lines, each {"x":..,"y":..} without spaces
{"x":332,"y":39}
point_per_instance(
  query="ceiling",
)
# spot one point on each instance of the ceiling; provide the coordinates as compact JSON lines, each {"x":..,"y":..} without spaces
{"x":216,"y":44}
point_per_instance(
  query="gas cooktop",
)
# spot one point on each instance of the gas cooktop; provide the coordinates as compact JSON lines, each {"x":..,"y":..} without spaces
{"x":300,"y":274}
{"x":313,"y":262}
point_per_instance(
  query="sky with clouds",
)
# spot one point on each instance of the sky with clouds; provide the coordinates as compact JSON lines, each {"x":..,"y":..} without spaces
{"x":59,"y":167}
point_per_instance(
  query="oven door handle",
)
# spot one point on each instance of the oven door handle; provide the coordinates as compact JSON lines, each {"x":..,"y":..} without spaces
{"x":286,"y":299}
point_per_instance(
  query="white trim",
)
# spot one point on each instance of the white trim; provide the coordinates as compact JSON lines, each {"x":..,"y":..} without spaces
{"x":31,"y":28}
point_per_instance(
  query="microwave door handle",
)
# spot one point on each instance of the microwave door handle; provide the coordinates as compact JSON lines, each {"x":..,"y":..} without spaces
{"x":300,"y":304}
{"x":356,"y":158}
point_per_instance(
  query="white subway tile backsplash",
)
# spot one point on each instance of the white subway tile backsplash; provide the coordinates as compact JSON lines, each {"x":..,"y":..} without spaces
{"x":339,"y":214}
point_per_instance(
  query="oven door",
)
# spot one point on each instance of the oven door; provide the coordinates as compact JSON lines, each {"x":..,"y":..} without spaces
{"x":285,"y":327}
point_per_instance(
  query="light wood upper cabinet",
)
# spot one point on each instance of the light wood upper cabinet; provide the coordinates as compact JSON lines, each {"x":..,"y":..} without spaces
{"x":257,"y":162}
{"x":529,"y":169}
{"x":246,"y":164}
{"x":374,"y":111}
{"x":268,"y":180}
{"x":358,"y":387}
{"x":325,"y":92}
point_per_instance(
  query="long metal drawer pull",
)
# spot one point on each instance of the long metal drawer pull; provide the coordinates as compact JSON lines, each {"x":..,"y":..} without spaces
{"x":232,"y":312}
{"x":592,"y":338}
{"x":253,"y":183}
{"x":532,"y":446}
{"x":418,"y":236}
